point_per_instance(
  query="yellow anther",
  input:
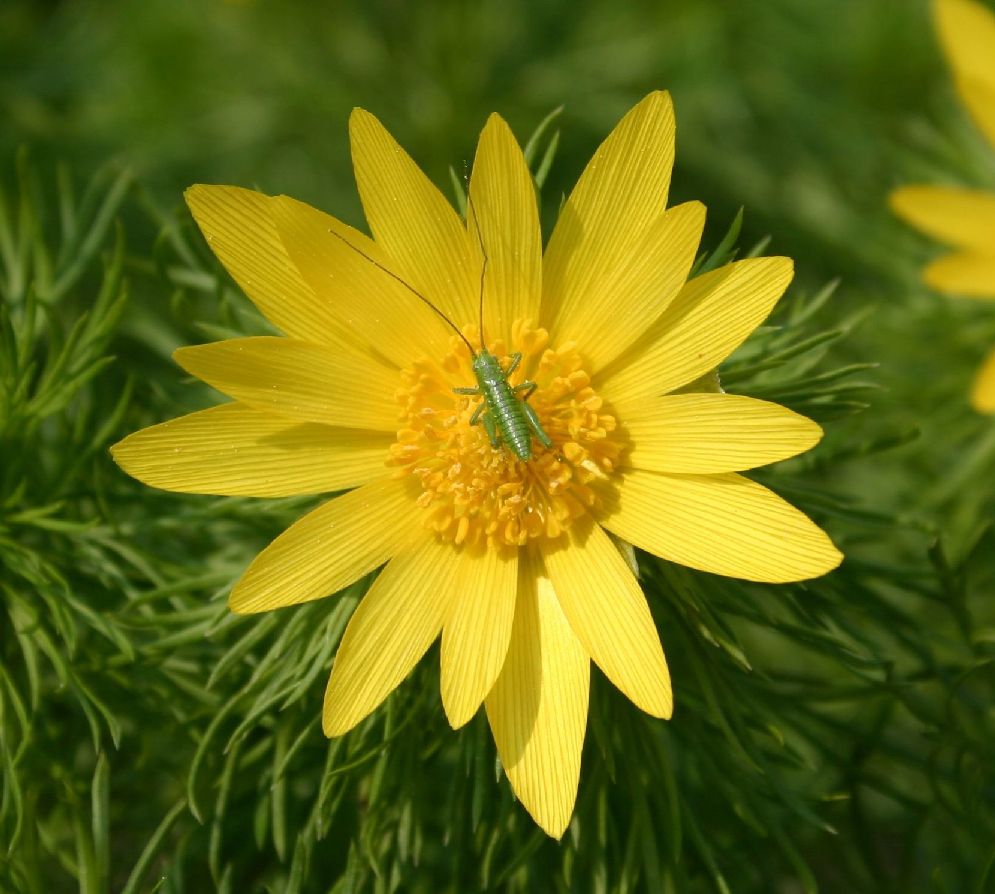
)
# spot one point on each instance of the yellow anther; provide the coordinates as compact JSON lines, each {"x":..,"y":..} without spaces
{"x":474,"y":494}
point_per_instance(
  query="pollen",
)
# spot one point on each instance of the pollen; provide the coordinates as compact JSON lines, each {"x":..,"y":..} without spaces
{"x":475,"y":493}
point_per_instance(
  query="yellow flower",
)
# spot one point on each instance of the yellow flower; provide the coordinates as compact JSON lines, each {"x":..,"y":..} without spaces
{"x":511,"y":561}
{"x":963,"y":218}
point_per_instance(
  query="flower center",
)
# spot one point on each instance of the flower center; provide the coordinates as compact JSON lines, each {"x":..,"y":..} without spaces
{"x":473,"y":492}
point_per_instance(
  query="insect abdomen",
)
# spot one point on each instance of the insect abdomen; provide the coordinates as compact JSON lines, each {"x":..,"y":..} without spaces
{"x":509,"y":418}
{"x":503,"y":404}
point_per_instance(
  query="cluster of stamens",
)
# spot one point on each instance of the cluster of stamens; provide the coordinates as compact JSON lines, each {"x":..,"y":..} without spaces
{"x":473,"y":492}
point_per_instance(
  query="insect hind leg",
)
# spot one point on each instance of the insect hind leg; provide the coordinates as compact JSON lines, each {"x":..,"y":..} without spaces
{"x":490,"y":428}
{"x":536,"y":425}
{"x":475,"y":418}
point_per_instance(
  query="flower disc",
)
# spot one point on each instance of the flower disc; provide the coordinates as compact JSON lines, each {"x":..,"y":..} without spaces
{"x":474,"y":492}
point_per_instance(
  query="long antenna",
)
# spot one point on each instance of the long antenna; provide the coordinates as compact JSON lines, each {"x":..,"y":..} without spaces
{"x":410,"y":288}
{"x":483,"y":266}
{"x":483,"y":252}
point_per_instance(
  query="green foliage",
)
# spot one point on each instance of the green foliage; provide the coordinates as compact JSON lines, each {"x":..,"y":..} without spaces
{"x":56,"y":549}
{"x":833,"y":734}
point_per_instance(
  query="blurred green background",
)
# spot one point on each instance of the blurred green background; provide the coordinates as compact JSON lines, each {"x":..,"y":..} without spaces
{"x":119,"y":654}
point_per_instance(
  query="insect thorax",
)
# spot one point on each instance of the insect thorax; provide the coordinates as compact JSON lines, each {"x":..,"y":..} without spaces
{"x":487,"y":367}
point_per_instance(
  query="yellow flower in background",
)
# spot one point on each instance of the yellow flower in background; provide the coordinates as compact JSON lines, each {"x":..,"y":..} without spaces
{"x":963,"y":218}
{"x":512,"y":562}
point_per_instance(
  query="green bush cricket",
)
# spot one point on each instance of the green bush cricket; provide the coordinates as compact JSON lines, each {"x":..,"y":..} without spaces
{"x":504,"y":410}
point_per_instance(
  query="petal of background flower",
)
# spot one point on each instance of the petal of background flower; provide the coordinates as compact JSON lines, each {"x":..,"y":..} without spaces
{"x":622,"y":191}
{"x":503,"y":207}
{"x":476,"y":634}
{"x":373,"y":307}
{"x":953,"y":215}
{"x":412,"y":222}
{"x":712,"y":433}
{"x":724,"y":524}
{"x":983,"y":389}
{"x":330,"y":547}
{"x":398,"y":619}
{"x":630,"y":296}
{"x":710,"y":317}
{"x":967,"y":32}
{"x":237,"y":226}
{"x":299,"y":379}
{"x":537,"y":709}
{"x":235,"y":450}
{"x":608,"y":612}
{"x":965,"y":273}
{"x":979,"y":97}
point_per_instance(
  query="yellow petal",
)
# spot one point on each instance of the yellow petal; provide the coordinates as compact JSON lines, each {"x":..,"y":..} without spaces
{"x":503,"y":208}
{"x":967,"y":32}
{"x":979,"y":97}
{"x":608,"y":612}
{"x":238,"y":227}
{"x":983,"y":390}
{"x":630,"y":296}
{"x":712,"y":433}
{"x":622,"y":191}
{"x":330,"y":547}
{"x":725,"y":524}
{"x":299,"y":379}
{"x":710,"y":317}
{"x":234,"y":450}
{"x":476,"y":634}
{"x":389,"y":632}
{"x":537,"y":710}
{"x":965,"y":273}
{"x":374,"y":307}
{"x":412,"y":222}
{"x":956,"y":216}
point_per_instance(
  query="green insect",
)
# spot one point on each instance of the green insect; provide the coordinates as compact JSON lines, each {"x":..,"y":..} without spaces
{"x":504,"y":410}
{"x":505,"y":416}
